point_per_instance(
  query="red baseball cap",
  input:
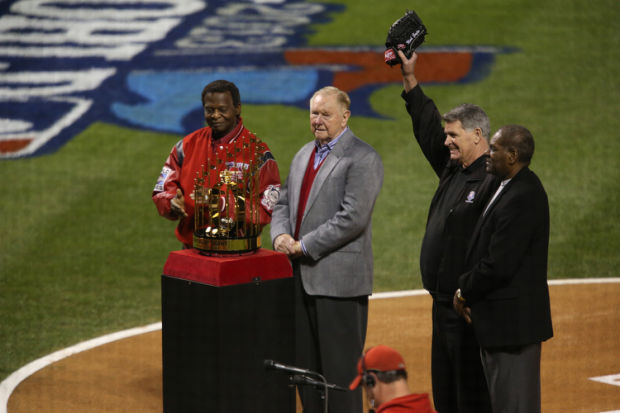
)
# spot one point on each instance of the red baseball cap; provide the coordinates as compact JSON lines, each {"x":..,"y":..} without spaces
{"x":380,"y":358}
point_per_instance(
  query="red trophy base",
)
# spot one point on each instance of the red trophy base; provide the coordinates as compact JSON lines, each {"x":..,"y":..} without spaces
{"x":221,"y":318}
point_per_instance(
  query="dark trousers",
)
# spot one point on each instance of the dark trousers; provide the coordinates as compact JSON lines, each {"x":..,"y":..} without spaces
{"x":329,"y":335}
{"x":514,"y":378}
{"x":459,"y":384}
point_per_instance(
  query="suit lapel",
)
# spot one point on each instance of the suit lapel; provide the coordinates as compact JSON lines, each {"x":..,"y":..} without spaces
{"x":296,"y":179}
{"x":483,"y":218}
{"x":326,"y":168}
{"x":475,"y":235}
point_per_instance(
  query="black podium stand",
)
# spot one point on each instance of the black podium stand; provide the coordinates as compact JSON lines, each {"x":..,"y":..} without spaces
{"x":221,"y":318}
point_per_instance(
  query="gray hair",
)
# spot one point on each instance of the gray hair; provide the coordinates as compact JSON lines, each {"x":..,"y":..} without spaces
{"x":341,"y":96}
{"x":471,"y":117}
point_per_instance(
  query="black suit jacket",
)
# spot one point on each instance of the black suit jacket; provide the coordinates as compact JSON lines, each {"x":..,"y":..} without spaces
{"x":506,"y":287}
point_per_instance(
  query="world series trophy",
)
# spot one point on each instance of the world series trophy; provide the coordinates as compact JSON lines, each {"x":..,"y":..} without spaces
{"x":227,"y":200}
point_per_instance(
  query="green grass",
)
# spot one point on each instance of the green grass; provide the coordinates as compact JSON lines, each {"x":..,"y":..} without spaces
{"x":82,"y":246}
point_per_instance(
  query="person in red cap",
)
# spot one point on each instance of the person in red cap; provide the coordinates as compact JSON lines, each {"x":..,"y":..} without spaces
{"x":381,"y":370}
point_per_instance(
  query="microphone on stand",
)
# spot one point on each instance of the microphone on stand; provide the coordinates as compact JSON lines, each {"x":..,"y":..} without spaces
{"x":270,"y":364}
{"x":300,"y":376}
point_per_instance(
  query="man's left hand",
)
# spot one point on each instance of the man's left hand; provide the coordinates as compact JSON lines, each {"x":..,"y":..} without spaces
{"x":460,"y":306}
{"x":296,"y":250}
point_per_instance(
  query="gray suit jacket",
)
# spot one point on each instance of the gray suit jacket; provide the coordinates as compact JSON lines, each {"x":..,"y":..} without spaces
{"x":336,"y":228}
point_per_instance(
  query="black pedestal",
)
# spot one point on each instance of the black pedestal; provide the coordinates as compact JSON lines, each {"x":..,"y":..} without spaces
{"x":215,"y":341}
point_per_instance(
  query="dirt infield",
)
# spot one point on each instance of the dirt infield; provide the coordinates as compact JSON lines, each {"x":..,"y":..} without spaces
{"x":125,"y":375}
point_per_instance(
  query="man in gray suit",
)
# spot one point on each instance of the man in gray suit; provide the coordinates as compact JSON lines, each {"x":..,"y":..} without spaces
{"x":322,"y":221}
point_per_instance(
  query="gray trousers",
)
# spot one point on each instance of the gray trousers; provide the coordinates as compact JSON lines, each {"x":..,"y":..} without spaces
{"x":513,"y":376}
{"x":329,"y":335}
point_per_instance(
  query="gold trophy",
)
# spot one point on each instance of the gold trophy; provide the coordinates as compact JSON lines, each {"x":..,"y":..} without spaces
{"x":227,"y":201}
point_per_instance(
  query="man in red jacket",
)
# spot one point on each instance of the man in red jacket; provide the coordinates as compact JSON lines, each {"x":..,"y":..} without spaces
{"x":381,"y":370}
{"x":219,"y":146}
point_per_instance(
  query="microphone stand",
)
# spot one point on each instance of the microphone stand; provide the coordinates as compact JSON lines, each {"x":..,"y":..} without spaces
{"x":323,"y":385}
{"x":303,"y":378}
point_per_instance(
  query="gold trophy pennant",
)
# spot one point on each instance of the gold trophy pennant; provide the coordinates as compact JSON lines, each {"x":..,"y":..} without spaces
{"x":227,"y":212}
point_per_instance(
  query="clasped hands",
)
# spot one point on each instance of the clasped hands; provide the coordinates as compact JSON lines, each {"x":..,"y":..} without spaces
{"x":286,"y":244}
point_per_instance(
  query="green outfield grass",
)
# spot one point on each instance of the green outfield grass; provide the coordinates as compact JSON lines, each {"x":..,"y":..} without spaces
{"x":82,"y":246}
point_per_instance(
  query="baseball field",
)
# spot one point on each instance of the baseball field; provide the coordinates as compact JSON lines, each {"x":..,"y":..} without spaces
{"x":123,"y":372}
{"x":82,"y":246}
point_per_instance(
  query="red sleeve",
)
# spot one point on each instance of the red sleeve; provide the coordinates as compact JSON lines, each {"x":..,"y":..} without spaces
{"x":269,"y":177}
{"x":167,"y":184}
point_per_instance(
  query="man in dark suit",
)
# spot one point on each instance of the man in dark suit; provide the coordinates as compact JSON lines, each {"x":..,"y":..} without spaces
{"x":505,"y":294}
{"x":322,"y":221}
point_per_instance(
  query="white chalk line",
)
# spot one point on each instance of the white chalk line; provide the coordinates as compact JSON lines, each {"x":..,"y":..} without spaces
{"x":11,"y":382}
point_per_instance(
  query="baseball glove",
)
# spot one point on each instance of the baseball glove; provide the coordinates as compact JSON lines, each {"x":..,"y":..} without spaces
{"x":406,"y":34}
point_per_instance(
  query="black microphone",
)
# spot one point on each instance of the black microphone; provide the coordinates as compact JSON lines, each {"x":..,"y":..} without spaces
{"x":270,"y":364}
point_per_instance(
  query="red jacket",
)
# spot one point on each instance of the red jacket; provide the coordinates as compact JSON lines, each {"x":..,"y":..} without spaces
{"x":412,"y":403}
{"x":197,"y":150}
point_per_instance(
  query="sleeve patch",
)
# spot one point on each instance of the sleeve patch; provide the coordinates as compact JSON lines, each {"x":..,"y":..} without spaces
{"x":159,"y":186}
{"x":270,"y":197}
